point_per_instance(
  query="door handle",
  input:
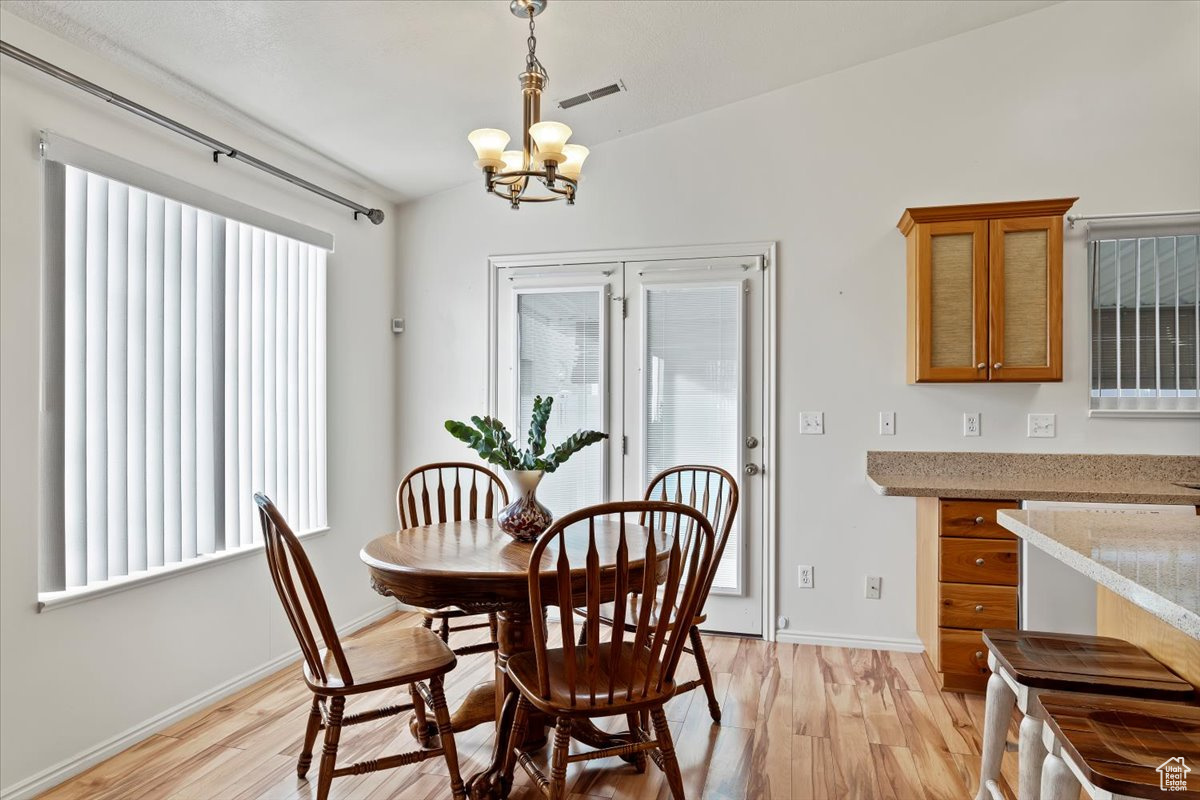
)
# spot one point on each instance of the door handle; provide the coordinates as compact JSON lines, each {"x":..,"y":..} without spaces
{"x":752,"y":469}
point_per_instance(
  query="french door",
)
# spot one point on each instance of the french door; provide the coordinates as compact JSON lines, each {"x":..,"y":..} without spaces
{"x":667,"y":357}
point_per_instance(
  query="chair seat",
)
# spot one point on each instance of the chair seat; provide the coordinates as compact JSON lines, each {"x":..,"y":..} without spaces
{"x":448,"y":613}
{"x":1077,"y":663}
{"x":1120,"y":743}
{"x":406,"y":656}
{"x":631,"y":671}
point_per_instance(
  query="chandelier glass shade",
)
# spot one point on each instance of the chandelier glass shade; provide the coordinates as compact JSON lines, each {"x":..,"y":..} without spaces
{"x":545,"y":158}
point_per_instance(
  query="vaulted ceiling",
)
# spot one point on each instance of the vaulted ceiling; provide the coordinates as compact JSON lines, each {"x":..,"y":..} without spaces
{"x":390,"y":89}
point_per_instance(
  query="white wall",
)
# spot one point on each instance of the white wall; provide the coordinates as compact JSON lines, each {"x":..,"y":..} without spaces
{"x":1024,"y":109}
{"x":73,"y":677}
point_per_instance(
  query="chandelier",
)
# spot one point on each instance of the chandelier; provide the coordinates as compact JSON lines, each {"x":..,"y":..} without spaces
{"x":544,"y":157}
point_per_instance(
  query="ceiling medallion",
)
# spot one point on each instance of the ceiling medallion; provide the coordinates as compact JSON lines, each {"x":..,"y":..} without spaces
{"x":545,"y":156}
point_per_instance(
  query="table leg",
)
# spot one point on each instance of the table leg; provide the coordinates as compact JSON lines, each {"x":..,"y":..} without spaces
{"x":515,"y":635}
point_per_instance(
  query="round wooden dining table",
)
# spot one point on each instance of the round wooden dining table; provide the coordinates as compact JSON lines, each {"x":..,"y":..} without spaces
{"x":473,"y":565}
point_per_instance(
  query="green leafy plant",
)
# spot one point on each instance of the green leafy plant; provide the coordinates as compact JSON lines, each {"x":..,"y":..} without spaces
{"x":488,"y":437}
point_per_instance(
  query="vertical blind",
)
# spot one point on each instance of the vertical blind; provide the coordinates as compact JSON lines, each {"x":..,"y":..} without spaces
{"x":1145,"y":323}
{"x":191,"y":349}
{"x":693,"y":379}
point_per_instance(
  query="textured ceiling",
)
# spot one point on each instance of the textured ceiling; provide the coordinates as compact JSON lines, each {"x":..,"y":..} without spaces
{"x":390,"y":89}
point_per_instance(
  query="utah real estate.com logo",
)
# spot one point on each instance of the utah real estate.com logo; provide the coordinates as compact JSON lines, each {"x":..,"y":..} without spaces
{"x":1172,"y":775}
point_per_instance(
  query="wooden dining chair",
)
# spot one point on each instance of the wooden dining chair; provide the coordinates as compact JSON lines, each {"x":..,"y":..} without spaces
{"x":443,"y":492}
{"x":409,"y":657}
{"x":634,"y":670}
{"x":714,"y":493}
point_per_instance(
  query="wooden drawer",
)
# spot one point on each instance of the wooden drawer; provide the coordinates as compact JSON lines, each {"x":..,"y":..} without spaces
{"x":974,"y":518}
{"x":962,"y":652}
{"x":991,"y":561}
{"x":970,"y":605}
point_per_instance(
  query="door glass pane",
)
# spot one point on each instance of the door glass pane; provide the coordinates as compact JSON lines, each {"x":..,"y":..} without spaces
{"x":953,"y":302}
{"x":1026,"y":341}
{"x":560,"y":356}
{"x":692,"y":391}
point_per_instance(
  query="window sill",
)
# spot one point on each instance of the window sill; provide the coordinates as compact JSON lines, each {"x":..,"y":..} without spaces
{"x":1145,"y":413}
{"x":69,"y":597}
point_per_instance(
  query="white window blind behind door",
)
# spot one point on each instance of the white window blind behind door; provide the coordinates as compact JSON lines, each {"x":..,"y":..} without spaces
{"x":191,"y":350}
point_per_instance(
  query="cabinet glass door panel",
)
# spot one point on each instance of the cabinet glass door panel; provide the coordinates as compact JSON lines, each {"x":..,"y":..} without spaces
{"x":953,"y":312}
{"x":1026,"y":298}
{"x":953,"y":301}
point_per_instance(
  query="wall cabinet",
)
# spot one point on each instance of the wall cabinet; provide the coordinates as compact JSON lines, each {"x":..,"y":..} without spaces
{"x":985,"y":291}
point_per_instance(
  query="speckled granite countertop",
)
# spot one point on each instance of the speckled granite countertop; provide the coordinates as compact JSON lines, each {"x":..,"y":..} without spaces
{"x":1152,"y":560}
{"x":1068,"y":477}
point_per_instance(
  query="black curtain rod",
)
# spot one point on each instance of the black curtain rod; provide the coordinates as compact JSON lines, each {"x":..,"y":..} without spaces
{"x":217,"y":147}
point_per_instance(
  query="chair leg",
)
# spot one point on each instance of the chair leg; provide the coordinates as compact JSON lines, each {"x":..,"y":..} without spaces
{"x":1058,"y":782}
{"x":421,"y":728}
{"x":494,"y":627}
{"x":333,"y":733}
{"x":997,"y":711}
{"x":427,"y":621}
{"x":582,"y":636}
{"x":714,"y":710}
{"x":666,"y":748}
{"x":515,"y":737}
{"x":446,"y":734}
{"x":635,"y":724}
{"x":1030,"y":755}
{"x":445,"y":631}
{"x":310,"y":736}
{"x":558,"y":759}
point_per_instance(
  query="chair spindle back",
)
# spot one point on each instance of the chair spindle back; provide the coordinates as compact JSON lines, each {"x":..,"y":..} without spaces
{"x":445,"y":491}
{"x":710,"y":490}
{"x":641,"y":660}
{"x":285,"y":555}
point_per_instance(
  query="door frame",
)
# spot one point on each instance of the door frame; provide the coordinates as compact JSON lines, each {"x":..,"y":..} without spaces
{"x":767,"y":252}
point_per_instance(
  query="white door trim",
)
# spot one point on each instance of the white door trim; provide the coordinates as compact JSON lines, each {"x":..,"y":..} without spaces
{"x":763,"y":250}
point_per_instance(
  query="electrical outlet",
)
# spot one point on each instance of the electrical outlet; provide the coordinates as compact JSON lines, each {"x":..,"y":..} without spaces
{"x":971,"y":423}
{"x":812,"y":423}
{"x":1041,"y":426}
{"x":874,"y":587}
{"x":805,"y":576}
{"x":887,"y":423}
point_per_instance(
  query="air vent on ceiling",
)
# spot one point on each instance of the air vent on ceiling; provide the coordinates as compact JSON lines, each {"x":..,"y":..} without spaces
{"x":595,"y":94}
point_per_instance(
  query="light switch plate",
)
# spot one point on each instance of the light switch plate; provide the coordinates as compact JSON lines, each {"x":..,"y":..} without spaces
{"x":1041,"y":426}
{"x":971,"y":423}
{"x":887,"y":423}
{"x":812,"y":423}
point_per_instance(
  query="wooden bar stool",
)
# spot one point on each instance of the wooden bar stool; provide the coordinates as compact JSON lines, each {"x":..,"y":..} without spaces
{"x":1118,"y":748}
{"x":1026,"y":664}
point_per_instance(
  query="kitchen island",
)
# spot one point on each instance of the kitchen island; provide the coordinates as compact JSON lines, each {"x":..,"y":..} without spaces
{"x":969,"y":570}
{"x":1147,"y":572}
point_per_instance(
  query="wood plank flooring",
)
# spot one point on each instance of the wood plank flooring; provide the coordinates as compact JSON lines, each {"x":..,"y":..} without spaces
{"x":799,"y":722}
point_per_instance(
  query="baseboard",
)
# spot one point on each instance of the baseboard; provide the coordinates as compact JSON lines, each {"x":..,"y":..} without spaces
{"x":863,"y":642}
{"x":56,"y":774}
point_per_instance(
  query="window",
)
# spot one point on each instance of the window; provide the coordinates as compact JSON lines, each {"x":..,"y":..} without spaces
{"x":185,"y":363}
{"x":1145,"y":324}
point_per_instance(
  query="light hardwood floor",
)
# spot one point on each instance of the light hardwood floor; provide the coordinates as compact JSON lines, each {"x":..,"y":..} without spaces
{"x":799,"y":722}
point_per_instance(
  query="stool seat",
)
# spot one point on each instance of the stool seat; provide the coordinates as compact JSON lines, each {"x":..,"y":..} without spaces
{"x":1119,"y":744}
{"x":1091,"y":664}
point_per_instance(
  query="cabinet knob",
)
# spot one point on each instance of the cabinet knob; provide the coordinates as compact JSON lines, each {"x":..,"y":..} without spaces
{"x":978,"y":654}
{"x":978,"y":609}
{"x":980,"y":365}
{"x":997,"y":365}
{"x":979,"y":520}
{"x":979,"y":562}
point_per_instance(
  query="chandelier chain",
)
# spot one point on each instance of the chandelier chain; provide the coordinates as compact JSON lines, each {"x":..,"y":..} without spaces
{"x":532,"y":64}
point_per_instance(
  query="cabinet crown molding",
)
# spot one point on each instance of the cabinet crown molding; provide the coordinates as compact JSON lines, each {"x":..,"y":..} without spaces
{"x":1019,"y":208}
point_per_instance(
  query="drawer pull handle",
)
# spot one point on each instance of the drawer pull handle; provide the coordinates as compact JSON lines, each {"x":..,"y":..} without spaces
{"x":978,"y":609}
{"x":979,"y":520}
{"x":979,"y":562}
